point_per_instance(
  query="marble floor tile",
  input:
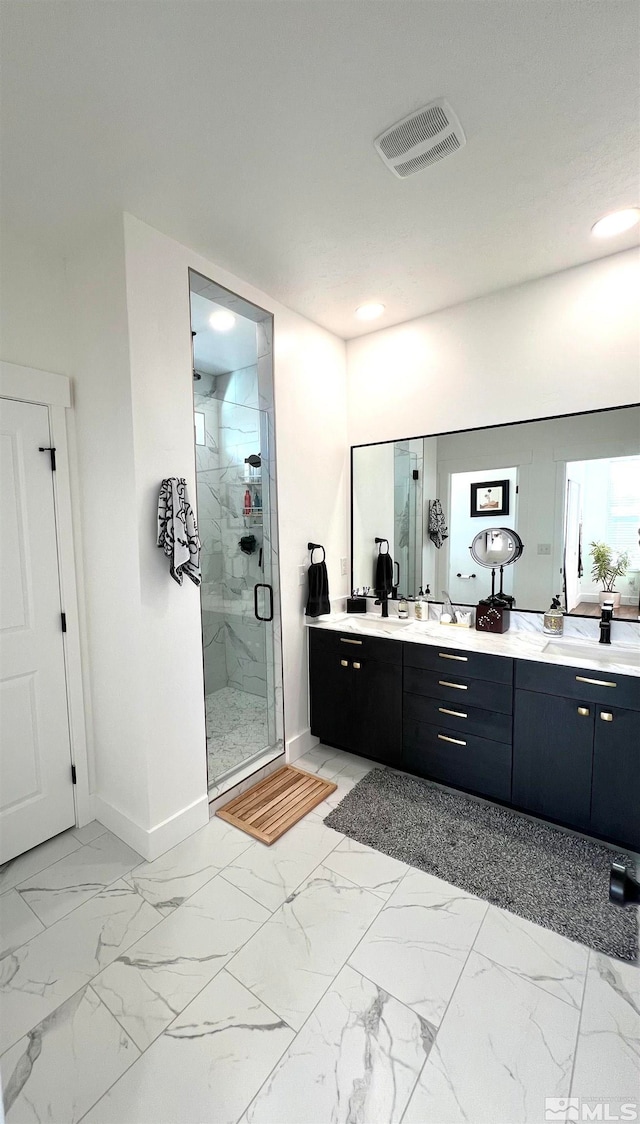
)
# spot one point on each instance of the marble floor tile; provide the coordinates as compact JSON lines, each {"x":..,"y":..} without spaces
{"x":173,"y":877}
{"x":155,"y":979}
{"x":417,"y":946}
{"x":206,"y":1067}
{"x":39,"y":976}
{"x":89,"y":832}
{"x":359,"y":1052}
{"x":270,"y":874}
{"x":504,"y":1045}
{"x":18,"y":923}
{"x":322,"y":760}
{"x":292,"y":960}
{"x":54,"y":892}
{"x":607,"y":1063}
{"x":38,"y":858}
{"x":543,"y":957}
{"x":62,"y":1066}
{"x":366,"y":867}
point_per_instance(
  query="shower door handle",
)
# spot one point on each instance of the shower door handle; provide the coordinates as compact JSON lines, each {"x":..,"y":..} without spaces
{"x":397,"y":581}
{"x":262,"y":585}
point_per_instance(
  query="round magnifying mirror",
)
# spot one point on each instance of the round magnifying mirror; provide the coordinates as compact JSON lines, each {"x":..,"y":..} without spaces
{"x":496,"y":546}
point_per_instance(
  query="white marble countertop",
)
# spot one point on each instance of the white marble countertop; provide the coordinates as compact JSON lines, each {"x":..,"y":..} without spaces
{"x":617,"y":659}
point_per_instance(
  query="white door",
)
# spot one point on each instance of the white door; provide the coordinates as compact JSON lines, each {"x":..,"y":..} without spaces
{"x":572,"y":521}
{"x":36,"y":791}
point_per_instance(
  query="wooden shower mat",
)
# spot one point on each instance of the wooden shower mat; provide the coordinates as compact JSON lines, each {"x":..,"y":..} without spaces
{"x":275,"y":804}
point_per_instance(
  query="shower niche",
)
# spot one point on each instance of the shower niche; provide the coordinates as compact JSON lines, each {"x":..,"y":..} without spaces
{"x":237,"y":522}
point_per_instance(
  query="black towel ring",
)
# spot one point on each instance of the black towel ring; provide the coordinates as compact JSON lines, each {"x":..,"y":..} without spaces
{"x":380,"y":542}
{"x":316,"y":546}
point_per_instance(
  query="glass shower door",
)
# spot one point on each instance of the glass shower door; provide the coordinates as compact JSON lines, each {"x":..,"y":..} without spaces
{"x":236,"y":495}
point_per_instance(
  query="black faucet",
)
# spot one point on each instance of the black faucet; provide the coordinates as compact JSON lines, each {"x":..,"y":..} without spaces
{"x":605,"y":622}
{"x":384,"y":601}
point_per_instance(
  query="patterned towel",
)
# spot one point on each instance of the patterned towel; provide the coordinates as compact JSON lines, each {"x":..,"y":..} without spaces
{"x":178,"y":530}
{"x":437,"y":527}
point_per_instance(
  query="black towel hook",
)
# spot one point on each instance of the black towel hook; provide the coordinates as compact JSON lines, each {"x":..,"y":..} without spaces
{"x":380,"y":542}
{"x":316,"y":546}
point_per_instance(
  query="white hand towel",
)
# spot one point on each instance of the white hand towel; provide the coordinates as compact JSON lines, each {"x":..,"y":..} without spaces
{"x":178,"y":530}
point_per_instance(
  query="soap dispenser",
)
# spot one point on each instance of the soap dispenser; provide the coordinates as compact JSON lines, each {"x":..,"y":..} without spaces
{"x":554,"y":618}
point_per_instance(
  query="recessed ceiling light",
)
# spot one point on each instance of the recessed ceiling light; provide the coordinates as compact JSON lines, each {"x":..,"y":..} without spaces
{"x":222,"y":320}
{"x":370,"y":311}
{"x":616,"y":222}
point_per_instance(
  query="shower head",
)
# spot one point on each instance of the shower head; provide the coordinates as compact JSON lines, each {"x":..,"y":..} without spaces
{"x":255,"y":460}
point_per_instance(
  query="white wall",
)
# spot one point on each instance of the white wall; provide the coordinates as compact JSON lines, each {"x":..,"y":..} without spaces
{"x":373,"y":511}
{"x":567,"y":342}
{"x":34,"y":325}
{"x":136,"y":423}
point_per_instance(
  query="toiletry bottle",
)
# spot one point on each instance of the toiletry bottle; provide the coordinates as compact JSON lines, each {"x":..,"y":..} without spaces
{"x":247,"y":502}
{"x":403,"y":609}
{"x":257,"y":500}
{"x":419,"y":607}
{"x":554,"y":619}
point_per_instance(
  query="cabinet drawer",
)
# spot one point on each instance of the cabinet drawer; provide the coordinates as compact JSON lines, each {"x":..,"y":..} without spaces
{"x":451,"y":687}
{"x":350,"y":646}
{"x":474,"y":665}
{"x":420,"y":710}
{"x":579,"y":683}
{"x":467,"y":762}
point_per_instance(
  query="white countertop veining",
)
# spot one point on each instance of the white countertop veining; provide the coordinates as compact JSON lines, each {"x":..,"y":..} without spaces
{"x":617,"y":659}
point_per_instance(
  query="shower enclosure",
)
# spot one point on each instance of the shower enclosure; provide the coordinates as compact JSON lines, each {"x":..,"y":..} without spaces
{"x":236,"y":509}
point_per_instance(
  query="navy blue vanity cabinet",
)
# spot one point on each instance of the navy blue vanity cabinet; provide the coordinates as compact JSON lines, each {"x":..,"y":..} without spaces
{"x":356,"y":693}
{"x":457,"y":718}
{"x":615,"y":797}
{"x":576,"y":757}
{"x":552,"y":756}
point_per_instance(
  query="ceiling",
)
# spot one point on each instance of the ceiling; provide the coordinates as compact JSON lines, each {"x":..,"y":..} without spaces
{"x":244,"y":129}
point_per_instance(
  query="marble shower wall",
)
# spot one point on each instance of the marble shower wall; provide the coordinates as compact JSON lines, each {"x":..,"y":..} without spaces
{"x":234,"y":641}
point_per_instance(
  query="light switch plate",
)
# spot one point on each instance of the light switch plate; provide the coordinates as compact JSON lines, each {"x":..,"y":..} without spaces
{"x":343,"y":567}
{"x":302,"y":575}
{"x":544,"y":548}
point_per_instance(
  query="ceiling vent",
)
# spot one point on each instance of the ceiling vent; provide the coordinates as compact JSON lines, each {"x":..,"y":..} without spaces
{"x":421,"y":139}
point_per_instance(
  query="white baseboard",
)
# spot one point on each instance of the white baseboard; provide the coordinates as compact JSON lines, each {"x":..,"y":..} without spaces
{"x":151,"y":842}
{"x":301,"y":744}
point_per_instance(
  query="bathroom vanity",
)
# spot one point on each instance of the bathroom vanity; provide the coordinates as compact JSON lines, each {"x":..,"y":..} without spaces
{"x":551,"y":728}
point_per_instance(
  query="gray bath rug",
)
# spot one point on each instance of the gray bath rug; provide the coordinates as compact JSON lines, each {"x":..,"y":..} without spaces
{"x":528,"y":867}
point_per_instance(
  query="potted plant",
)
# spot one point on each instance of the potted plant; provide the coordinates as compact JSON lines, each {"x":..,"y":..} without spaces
{"x":608,"y":566}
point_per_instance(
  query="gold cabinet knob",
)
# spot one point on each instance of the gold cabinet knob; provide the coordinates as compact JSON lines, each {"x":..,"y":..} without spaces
{"x":356,"y":666}
{"x":583,"y":711}
{"x":344,"y":663}
{"x":606,"y":716}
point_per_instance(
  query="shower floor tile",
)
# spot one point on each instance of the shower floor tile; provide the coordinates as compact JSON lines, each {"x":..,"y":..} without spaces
{"x":236,"y":728}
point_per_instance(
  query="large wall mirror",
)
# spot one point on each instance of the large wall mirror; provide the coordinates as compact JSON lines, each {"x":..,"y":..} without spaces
{"x":561,"y":483}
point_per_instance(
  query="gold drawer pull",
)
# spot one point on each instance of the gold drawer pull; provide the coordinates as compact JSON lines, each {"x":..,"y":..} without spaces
{"x":456,"y":741}
{"x":597,"y":682}
{"x":357,"y":666}
{"x":584,"y":711}
{"x":344,"y":663}
{"x":458,"y":686}
{"x":456,"y":713}
{"x":343,"y":640}
{"x":606,"y":716}
{"x":446,"y":656}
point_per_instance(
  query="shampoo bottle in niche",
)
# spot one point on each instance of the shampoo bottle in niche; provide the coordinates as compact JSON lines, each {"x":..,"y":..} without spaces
{"x":553,"y":624}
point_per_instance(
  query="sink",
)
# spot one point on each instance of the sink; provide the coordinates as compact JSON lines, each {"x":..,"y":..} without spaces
{"x":376,"y":622}
{"x":580,"y":650}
